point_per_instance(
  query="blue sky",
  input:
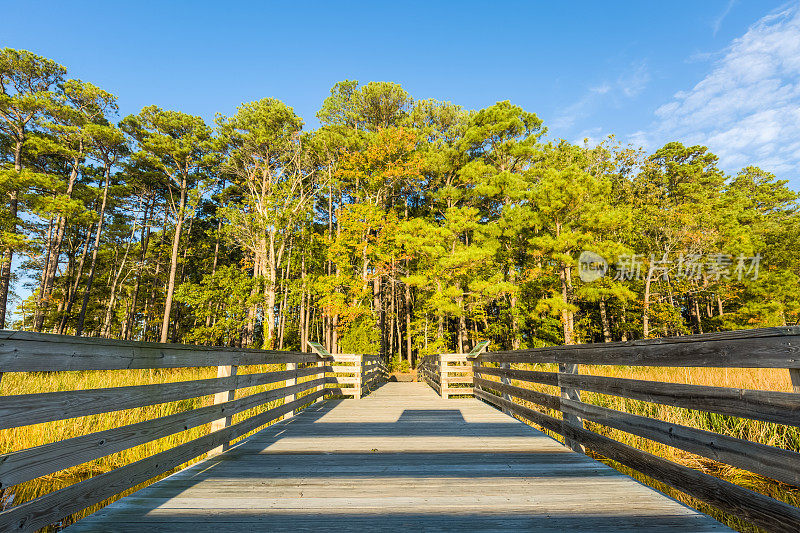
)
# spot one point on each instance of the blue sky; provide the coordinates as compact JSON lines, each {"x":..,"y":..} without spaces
{"x":716,"y":72}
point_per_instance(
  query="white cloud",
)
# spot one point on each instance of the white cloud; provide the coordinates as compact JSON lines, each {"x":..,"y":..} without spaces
{"x":747,"y":109}
{"x":591,"y":137}
{"x":628,"y":85}
{"x":717,"y":22}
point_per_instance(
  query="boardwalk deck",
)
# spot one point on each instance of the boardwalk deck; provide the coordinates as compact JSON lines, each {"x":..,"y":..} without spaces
{"x":400,"y":459}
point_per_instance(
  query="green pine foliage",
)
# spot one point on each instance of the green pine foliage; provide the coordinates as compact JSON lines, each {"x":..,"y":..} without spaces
{"x":400,"y":226}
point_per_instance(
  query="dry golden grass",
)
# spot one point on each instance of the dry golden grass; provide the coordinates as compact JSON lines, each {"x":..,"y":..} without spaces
{"x":756,"y":431}
{"x":35,"y":435}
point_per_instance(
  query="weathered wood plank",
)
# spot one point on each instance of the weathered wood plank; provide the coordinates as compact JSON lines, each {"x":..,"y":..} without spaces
{"x":224,"y":397}
{"x":757,"y":348}
{"x":569,"y":393}
{"x":404,"y":459}
{"x":769,"y":461}
{"x":769,"y":406}
{"x":536,"y":376}
{"x":25,"y":409}
{"x":22,"y":351}
{"x":540,"y":398}
{"x":541,"y":419}
{"x":24,"y":465}
{"x":761,"y":510}
{"x":52,"y":507}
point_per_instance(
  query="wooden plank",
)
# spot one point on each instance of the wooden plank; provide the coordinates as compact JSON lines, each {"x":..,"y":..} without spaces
{"x":768,"y":461}
{"x":344,"y":369}
{"x":761,"y":510}
{"x":794,"y":374}
{"x":24,"y":465}
{"x":52,"y":507}
{"x":769,"y":406}
{"x":757,"y":508}
{"x":25,"y":409}
{"x":757,"y":348}
{"x":546,"y":421}
{"x":291,"y":367}
{"x":406,"y":460}
{"x":22,"y":351}
{"x":569,"y":393}
{"x":536,"y":376}
{"x":345,"y":380}
{"x":456,"y":391}
{"x":341,"y":391}
{"x":545,"y":400}
{"x":220,"y":398}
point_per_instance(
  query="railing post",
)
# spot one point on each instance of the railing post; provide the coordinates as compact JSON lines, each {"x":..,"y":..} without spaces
{"x":794,"y":373}
{"x":569,"y":419}
{"x":289,"y":382}
{"x":359,"y":371}
{"x":505,"y":380}
{"x":222,"y":397}
{"x":321,"y":365}
{"x":443,"y":378}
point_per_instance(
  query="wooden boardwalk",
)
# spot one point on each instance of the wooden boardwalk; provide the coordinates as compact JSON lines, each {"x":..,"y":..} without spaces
{"x":399,"y":459}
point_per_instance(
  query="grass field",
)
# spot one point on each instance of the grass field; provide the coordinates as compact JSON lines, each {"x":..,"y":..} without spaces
{"x":756,"y":431}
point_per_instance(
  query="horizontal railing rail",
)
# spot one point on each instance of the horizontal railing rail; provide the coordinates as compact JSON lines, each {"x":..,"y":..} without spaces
{"x":429,"y":370}
{"x":505,"y":379}
{"x":455,"y":375}
{"x":302,"y":382}
{"x":356,"y":375}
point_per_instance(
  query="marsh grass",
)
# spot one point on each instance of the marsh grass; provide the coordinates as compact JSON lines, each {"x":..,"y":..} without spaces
{"x":756,"y":431}
{"x":38,"y":434}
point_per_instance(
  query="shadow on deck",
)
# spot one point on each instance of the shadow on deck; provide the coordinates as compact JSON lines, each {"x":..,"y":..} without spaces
{"x":400,"y":459}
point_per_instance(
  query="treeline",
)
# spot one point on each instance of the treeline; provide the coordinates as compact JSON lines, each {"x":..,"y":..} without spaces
{"x":402,"y":226}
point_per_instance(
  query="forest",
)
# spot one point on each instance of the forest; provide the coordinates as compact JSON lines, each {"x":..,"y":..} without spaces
{"x":399,"y":226}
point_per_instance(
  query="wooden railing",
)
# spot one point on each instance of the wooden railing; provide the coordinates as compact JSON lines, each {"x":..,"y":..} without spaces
{"x":302,"y":383}
{"x":779,"y":348}
{"x":429,"y":371}
{"x":455,"y":375}
{"x":449,"y":374}
{"x":356,"y":375}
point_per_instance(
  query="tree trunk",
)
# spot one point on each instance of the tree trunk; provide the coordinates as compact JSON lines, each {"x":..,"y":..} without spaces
{"x":462,"y":324}
{"x":72,"y":288}
{"x":567,"y":316}
{"x":128,"y":330}
{"x":37,"y":323}
{"x":696,"y":308}
{"x":8,"y":254}
{"x":408,"y":323}
{"x":604,"y":320}
{"x":54,"y":251}
{"x":92,"y":267}
{"x":646,"y":305}
{"x":106,"y":331}
{"x":173,"y":264}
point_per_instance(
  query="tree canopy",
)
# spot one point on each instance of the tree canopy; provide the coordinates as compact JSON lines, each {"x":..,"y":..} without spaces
{"x":400,"y":226}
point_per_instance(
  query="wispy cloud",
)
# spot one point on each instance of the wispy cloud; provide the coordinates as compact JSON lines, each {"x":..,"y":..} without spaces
{"x":716,"y":24}
{"x":747,"y":109}
{"x":627,"y":85}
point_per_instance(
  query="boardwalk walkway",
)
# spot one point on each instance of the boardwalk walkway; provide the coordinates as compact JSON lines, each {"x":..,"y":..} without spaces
{"x":400,"y":459}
